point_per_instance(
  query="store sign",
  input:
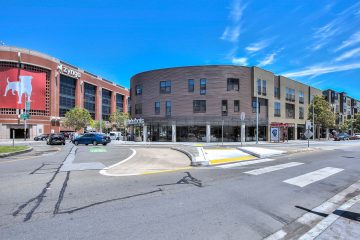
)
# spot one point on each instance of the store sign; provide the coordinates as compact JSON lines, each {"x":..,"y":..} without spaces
{"x":275,"y":134}
{"x":20,"y":87}
{"x":67,"y":71}
{"x":135,"y":121}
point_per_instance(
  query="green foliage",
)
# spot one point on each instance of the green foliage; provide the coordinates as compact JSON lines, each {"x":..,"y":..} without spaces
{"x":356,"y":123}
{"x":118,"y":119}
{"x":97,"y":125}
{"x":323,"y":114}
{"x":77,"y":118}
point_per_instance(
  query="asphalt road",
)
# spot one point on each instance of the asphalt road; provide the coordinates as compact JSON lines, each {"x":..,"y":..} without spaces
{"x":39,"y":201}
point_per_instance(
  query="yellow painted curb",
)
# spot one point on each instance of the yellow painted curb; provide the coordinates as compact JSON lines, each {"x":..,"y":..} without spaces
{"x":229,"y":160}
{"x":212,"y":149}
{"x":163,"y":171}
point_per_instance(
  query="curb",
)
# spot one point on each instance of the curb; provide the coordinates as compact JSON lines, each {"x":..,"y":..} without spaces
{"x":259,"y":155}
{"x":193,"y":163}
{"x":2,"y":155}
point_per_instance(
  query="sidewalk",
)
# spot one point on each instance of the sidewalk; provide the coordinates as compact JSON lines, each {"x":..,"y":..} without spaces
{"x":347,"y":226}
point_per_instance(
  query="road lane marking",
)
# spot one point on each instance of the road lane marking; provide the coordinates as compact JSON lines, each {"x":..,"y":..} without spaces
{"x":228,"y":160}
{"x":163,"y":171}
{"x":276,"y":236}
{"x":308,"y":178}
{"x":273,"y":168}
{"x":103,"y":171}
{"x":240,"y":164}
{"x":309,"y":218}
{"x":326,"y":222}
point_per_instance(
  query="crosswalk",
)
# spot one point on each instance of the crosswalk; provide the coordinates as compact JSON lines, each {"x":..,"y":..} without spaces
{"x":299,"y":181}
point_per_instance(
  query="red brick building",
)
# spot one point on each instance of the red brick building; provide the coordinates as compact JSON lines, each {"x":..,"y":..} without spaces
{"x":50,"y":87}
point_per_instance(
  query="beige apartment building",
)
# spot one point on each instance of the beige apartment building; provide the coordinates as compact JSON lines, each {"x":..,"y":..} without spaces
{"x":205,"y":104}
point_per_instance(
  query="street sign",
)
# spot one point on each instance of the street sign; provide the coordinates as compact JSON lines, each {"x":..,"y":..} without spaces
{"x":242,"y":116}
{"x":25,"y":116}
{"x":308,"y":134}
{"x":308,"y":125}
{"x":27,"y":106}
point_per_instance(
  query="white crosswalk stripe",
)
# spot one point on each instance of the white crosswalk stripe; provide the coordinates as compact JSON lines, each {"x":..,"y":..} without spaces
{"x":239,"y":164}
{"x":273,"y":168}
{"x":311,"y":177}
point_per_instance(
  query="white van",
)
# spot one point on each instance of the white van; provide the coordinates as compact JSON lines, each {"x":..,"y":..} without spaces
{"x":116,"y":136}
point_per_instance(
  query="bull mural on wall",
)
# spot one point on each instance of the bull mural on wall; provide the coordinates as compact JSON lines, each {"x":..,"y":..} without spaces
{"x":24,"y":86}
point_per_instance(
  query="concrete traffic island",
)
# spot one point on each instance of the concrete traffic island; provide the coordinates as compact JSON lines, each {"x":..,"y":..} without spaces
{"x":7,"y":151}
{"x":262,"y":152}
{"x":149,"y":161}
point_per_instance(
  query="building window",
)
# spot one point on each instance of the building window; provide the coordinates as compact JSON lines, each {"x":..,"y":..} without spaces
{"x":290,"y":110}
{"x":106,"y":104}
{"x":203,"y":86}
{"x":301,"y":97}
{"x":119,"y":102}
{"x":168,"y":108}
{"x":254,"y":106}
{"x":264,"y":87}
{"x":258,"y":84}
{"x":277,"y":109}
{"x":191,"y":85}
{"x":199,"y":106}
{"x":138,"y":108}
{"x":129,"y":105}
{"x":138,"y":89}
{"x":90,"y":98}
{"x":290,"y":94}
{"x":224,"y":107}
{"x":67,"y":94}
{"x":301,"y":112}
{"x":157,"y":108}
{"x":233,"y":84}
{"x":165,"y":86}
{"x":276,"y":92}
{"x":236,"y":106}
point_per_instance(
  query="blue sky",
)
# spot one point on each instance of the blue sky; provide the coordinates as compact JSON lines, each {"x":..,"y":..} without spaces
{"x":315,"y":42}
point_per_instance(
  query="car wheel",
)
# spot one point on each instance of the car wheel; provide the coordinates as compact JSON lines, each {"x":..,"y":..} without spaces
{"x":86,"y":144}
{"x":94,"y":143}
{"x":76,"y":143}
{"x":104,"y":144}
{"x":63,"y":143}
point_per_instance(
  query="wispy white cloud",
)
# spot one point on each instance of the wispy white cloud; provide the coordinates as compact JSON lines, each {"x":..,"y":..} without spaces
{"x":318,"y":70}
{"x":349,"y":54}
{"x":232,"y":32}
{"x":354,"y":39}
{"x":240,"y":61}
{"x":269,"y":59}
{"x":324,"y":34}
{"x":258,"y":46}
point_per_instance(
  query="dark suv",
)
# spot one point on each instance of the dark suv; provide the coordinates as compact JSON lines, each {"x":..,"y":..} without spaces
{"x":56,"y":138}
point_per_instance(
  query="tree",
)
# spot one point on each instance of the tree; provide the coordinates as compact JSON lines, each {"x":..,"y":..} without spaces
{"x":97,"y":125}
{"x":77,"y":118}
{"x":324,"y":117}
{"x":119,"y":119}
{"x":356,"y":123}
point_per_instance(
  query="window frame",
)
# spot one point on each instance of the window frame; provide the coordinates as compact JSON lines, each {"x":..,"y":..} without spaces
{"x":233,"y":84}
{"x":191,"y":87}
{"x":236,"y":105}
{"x":203,"y":82}
{"x":199,"y":106}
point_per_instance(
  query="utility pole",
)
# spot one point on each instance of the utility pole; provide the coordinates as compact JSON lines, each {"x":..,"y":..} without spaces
{"x":257,"y":116}
{"x":313,"y":117}
{"x":100,"y":110}
{"x":222,"y":132}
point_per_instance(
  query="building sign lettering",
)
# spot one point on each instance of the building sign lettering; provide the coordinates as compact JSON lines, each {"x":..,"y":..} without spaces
{"x":68,"y":71}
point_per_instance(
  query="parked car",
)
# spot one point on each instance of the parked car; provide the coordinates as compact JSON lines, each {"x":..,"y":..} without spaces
{"x":116,"y":136}
{"x":342,"y":136}
{"x":56,"y":138}
{"x":92,"y":138}
{"x":42,"y":137}
{"x":356,"y":136}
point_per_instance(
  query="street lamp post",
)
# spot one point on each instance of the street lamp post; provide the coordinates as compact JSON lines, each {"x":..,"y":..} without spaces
{"x":257,"y":116}
{"x":313,"y":117}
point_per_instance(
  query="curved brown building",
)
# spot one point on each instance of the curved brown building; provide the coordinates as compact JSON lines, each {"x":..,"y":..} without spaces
{"x":204,"y":103}
{"x":48,"y":88}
